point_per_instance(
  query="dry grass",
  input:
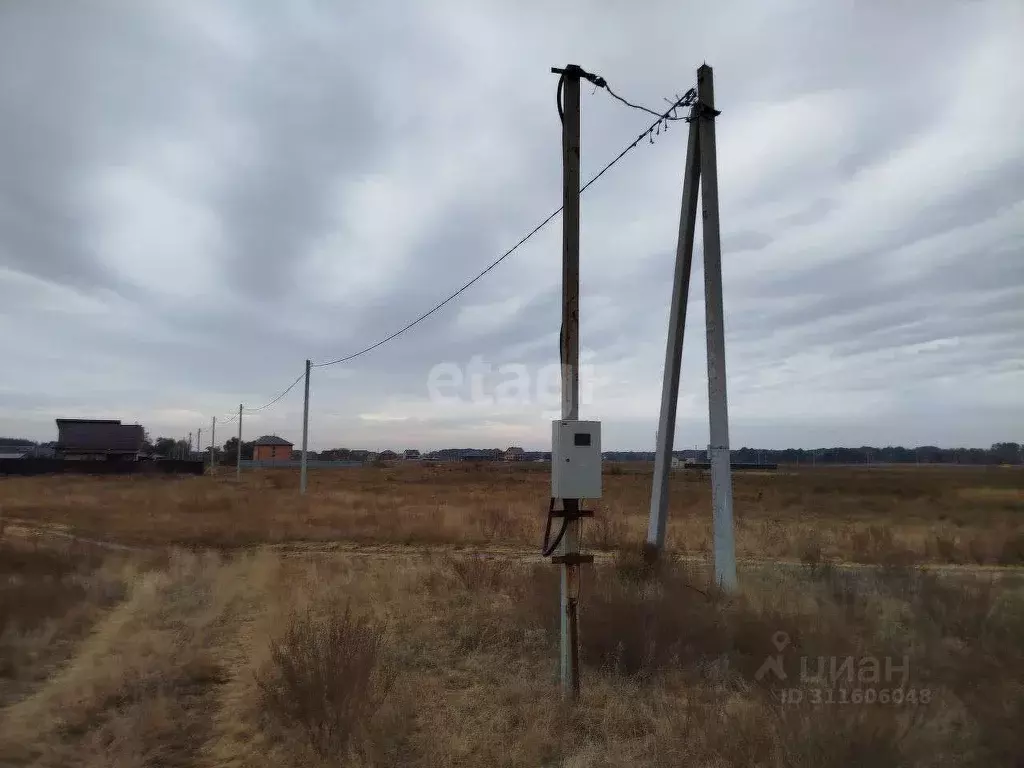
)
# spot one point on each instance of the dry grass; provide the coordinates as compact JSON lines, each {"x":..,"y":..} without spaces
{"x":871,"y":515}
{"x":326,"y":678}
{"x":296,"y":657}
{"x":255,"y":660}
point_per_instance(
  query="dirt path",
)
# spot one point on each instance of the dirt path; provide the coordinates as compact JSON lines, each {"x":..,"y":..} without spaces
{"x":25,"y":529}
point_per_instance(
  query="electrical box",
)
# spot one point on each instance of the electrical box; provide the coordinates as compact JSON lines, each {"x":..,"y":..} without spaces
{"x":576,"y":459}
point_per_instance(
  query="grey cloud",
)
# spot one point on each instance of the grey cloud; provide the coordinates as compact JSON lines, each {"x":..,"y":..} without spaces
{"x":283,"y":113}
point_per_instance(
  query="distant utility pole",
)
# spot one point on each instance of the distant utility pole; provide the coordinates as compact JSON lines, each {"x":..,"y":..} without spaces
{"x":199,"y":444}
{"x":213,"y":446}
{"x":238,"y":448}
{"x":305,"y":433}
{"x":701,"y":161}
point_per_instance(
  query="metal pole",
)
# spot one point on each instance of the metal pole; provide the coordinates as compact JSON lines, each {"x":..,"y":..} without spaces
{"x":570,"y":355}
{"x":238,"y":452}
{"x":213,"y":444}
{"x":721,"y":470}
{"x":305,"y":433}
{"x":674,"y":346}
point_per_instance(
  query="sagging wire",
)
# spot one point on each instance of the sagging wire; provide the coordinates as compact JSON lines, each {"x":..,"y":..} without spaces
{"x":683,"y":101}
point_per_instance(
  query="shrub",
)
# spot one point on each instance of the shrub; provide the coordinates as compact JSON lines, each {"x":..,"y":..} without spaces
{"x":946,"y":548}
{"x":327,"y":678}
{"x":1012,"y":552}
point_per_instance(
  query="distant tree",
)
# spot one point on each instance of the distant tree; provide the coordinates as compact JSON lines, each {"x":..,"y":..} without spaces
{"x":1006,"y":453}
{"x":16,"y":441}
{"x":229,"y":454}
{"x":165,"y":446}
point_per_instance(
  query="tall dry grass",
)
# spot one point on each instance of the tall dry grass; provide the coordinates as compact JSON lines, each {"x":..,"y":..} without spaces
{"x":436,"y":660}
{"x":965,"y":515}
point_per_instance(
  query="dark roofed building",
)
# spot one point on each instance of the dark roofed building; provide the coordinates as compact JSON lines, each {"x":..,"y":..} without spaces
{"x":272,"y":448}
{"x":98,"y":439}
{"x":15,"y":451}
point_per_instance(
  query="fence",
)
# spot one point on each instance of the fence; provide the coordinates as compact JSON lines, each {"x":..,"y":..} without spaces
{"x":36,"y":466}
{"x":295,"y":464}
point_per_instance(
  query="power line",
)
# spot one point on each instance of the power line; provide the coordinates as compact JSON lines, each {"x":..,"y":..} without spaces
{"x":686,"y":99}
{"x":683,"y":101}
{"x":286,"y":391}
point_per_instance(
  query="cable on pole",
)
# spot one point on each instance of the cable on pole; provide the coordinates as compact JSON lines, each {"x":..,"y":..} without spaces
{"x":685,"y":100}
{"x":276,"y":399}
{"x":688,"y":99}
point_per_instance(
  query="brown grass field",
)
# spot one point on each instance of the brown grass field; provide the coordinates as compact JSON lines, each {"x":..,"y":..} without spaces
{"x":392,"y":618}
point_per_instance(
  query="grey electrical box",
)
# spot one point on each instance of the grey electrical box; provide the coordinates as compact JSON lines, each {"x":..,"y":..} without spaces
{"x":576,"y":459}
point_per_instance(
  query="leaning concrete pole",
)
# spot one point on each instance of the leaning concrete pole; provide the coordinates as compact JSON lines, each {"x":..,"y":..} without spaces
{"x":656,"y":524}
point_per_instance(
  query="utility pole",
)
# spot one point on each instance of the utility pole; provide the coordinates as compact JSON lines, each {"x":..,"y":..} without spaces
{"x":238,"y":450}
{"x":702,"y":167}
{"x":199,"y":444}
{"x":714,"y":318}
{"x":213,"y":446}
{"x":569,"y":352}
{"x":674,"y":347}
{"x":305,"y":433}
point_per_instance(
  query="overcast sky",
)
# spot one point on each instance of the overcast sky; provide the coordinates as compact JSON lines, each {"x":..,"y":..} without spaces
{"x":195,"y":197}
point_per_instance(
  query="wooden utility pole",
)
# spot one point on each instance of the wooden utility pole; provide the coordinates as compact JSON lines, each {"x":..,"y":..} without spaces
{"x":305,"y":433}
{"x":238,"y":450}
{"x":213,"y":445}
{"x":570,"y":357}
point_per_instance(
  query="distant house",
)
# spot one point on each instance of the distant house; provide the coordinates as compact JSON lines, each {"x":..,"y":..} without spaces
{"x":272,"y":448}
{"x":411,"y":455}
{"x":98,"y":440}
{"x":475,"y":456}
{"x":17,"y":451}
{"x":387,"y":456}
{"x":514,"y":454}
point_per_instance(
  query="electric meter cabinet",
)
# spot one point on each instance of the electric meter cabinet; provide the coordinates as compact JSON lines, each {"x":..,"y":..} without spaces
{"x":576,"y":459}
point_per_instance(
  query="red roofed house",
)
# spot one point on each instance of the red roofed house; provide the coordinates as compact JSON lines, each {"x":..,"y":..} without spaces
{"x":272,"y":448}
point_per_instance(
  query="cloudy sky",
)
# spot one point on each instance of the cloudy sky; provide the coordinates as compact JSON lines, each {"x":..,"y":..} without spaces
{"x":195,"y":197}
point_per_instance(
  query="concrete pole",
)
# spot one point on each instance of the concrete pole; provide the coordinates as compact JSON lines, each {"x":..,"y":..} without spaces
{"x":238,"y":452}
{"x":657,"y":521}
{"x":721,"y":470}
{"x":570,"y":356}
{"x":213,"y":446}
{"x":305,"y":434}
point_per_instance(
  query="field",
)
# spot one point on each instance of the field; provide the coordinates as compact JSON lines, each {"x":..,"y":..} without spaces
{"x":401,"y":616}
